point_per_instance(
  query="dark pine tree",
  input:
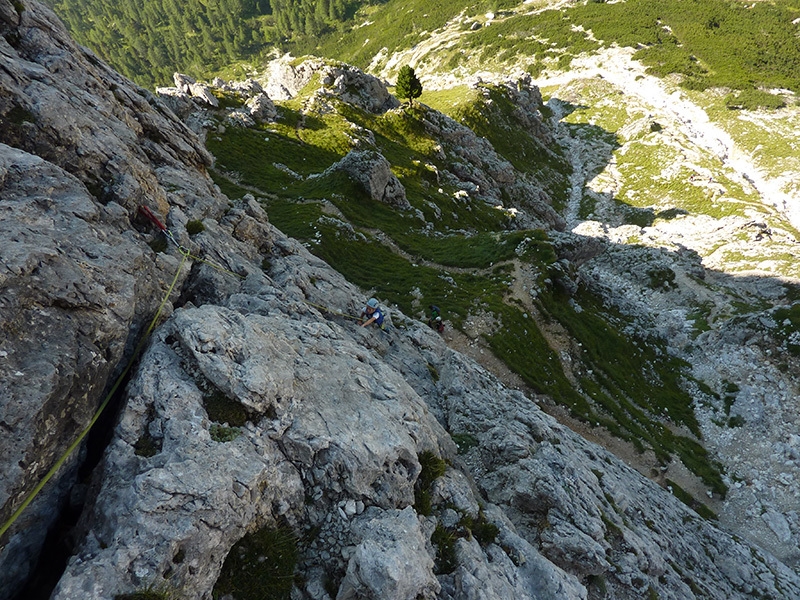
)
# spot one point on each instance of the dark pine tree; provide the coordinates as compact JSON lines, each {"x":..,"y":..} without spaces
{"x":408,"y":86}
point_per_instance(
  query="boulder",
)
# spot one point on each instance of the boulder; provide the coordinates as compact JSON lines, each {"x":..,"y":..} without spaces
{"x":390,"y":561}
{"x":374,"y":174}
{"x":192,"y":88}
{"x":261,"y":108}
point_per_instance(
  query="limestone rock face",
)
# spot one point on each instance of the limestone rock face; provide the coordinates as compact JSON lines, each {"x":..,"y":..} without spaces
{"x":593,"y":516}
{"x":283,"y":79}
{"x":59,"y":102}
{"x":356,"y":87}
{"x":258,"y":405}
{"x":482,"y":174}
{"x":81,"y":148}
{"x":322,"y":418}
{"x":332,"y":418}
{"x":71,"y":269}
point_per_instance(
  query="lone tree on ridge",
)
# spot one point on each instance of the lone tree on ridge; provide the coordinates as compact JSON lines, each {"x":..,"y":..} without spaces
{"x":408,"y":86}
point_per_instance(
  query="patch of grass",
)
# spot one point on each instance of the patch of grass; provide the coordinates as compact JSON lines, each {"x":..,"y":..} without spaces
{"x":445,"y":542}
{"x":222,"y":409}
{"x":276,"y":157}
{"x":520,"y":344}
{"x":753,"y":100}
{"x":146,"y":446}
{"x":394,"y":24}
{"x":731,"y":388}
{"x":694,"y":40}
{"x":432,"y":466}
{"x":699,"y":316}
{"x":228,"y":187}
{"x":544,"y":35}
{"x":597,"y":584}
{"x":422,"y":502}
{"x":661,"y":278}
{"x":227,"y":99}
{"x":477,"y":251}
{"x":448,"y":100}
{"x":736,"y":421}
{"x":464,"y":441}
{"x":158,"y":244}
{"x":444,"y":539}
{"x":599,"y":113}
{"x":689,"y":500}
{"x":195,"y":227}
{"x":788,"y":319}
{"x":394,"y":278}
{"x":691,"y":41}
{"x":297,"y":219}
{"x":649,"y":179}
{"x":220,"y":433}
{"x":481,"y":529}
{"x":588,"y":205}
{"x":18,"y":115}
{"x":260,"y":565}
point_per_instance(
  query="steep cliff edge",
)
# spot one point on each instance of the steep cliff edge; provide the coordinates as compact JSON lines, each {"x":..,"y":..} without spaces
{"x":253,"y":410}
{"x":82,"y":149}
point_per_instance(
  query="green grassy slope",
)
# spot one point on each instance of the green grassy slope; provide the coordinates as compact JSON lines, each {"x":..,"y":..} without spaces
{"x":463,"y":257}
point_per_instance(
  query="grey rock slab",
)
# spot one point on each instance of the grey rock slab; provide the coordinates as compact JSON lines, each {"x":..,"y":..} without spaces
{"x":390,"y":561}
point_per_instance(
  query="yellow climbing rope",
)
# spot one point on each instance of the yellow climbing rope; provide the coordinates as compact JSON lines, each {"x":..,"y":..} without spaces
{"x":185,"y":255}
{"x":99,"y":411}
{"x":331,"y":311}
{"x":182,"y":249}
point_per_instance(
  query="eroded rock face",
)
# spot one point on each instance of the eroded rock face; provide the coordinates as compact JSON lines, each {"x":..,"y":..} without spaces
{"x":81,"y":148}
{"x":71,"y":269}
{"x":588,"y":513}
{"x":481,"y":174}
{"x":255,"y":405}
{"x":336,"y":421}
{"x":285,"y":77}
{"x":331,"y":434}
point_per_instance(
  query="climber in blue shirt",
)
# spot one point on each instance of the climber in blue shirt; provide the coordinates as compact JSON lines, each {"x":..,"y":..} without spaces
{"x":372,"y":313}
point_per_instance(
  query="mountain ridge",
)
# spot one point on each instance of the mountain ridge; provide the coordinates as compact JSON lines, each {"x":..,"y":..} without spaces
{"x":229,"y":426}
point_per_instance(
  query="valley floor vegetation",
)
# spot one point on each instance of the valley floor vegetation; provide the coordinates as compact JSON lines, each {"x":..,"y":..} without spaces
{"x":748,"y":48}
